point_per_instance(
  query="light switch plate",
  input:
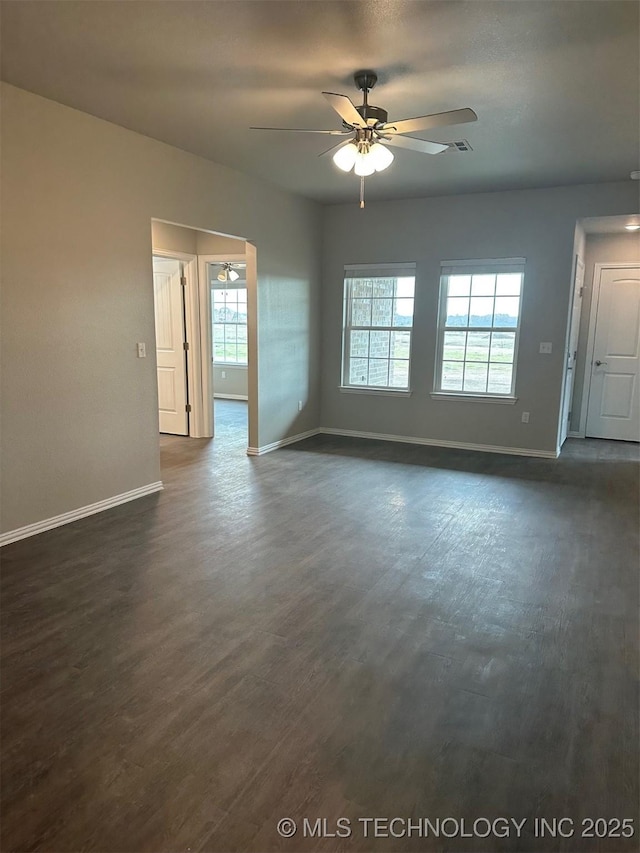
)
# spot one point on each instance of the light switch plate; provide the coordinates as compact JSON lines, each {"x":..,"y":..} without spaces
{"x":546,"y":347}
{"x":142,"y":350}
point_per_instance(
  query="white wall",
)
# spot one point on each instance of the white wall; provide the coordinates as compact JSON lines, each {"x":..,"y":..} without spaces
{"x":79,"y":410}
{"x":599,"y":248}
{"x":538,"y":225}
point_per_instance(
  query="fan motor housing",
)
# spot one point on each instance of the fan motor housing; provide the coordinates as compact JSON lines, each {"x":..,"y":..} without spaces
{"x":372,"y":115}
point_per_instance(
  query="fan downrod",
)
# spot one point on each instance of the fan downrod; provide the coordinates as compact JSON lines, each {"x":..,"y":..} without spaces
{"x":365,"y":81}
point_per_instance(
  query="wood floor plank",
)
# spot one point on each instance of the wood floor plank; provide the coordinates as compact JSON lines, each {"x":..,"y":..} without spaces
{"x":338,"y":629}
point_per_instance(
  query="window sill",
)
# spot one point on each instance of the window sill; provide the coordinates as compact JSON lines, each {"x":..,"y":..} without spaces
{"x":224,"y":364}
{"x":382,"y":392}
{"x":474,"y":398}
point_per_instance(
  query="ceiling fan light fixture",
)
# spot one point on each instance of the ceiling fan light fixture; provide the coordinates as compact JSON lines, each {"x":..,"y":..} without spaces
{"x":364,"y":165}
{"x":381,"y":156}
{"x":345,"y":157}
{"x":227,"y":273}
{"x":369,"y":123}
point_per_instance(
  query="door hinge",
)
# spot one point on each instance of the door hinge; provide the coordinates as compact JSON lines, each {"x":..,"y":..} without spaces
{"x":581,"y":292}
{"x":185,"y":345}
{"x":183,"y":281}
{"x":187,"y":408}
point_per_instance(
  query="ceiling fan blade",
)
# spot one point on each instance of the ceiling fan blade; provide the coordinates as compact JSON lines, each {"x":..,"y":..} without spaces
{"x":415,"y":144}
{"x":345,"y":109}
{"x":411,"y":125}
{"x":335,"y":147}
{"x":303,"y":130}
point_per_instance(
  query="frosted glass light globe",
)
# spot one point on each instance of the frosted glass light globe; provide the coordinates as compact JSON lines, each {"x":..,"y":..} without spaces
{"x":345,"y":157}
{"x":364,"y":165}
{"x":381,"y":156}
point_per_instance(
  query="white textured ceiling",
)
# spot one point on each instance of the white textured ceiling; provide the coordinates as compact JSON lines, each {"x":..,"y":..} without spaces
{"x":555,"y":84}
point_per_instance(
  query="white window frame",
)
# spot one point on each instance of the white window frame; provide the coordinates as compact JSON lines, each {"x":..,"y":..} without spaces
{"x":353,"y":271}
{"x":240,"y":284}
{"x":478,"y":267}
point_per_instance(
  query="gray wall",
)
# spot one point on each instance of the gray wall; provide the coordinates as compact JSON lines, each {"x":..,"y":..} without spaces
{"x":599,"y":248}
{"x":79,"y":410}
{"x":173,"y":238}
{"x":216,"y":244}
{"x":538,"y":225}
{"x":233,"y":383}
{"x":177,"y":238}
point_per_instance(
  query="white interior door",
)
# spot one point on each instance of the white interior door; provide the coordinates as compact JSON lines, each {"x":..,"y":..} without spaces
{"x":572,"y":348}
{"x":614,"y":407}
{"x":170,"y":346}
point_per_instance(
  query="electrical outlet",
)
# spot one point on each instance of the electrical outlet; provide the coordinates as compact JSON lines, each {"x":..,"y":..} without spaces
{"x":223,"y":374}
{"x":525,"y":417}
{"x":546,"y":347}
{"x":142,"y":350}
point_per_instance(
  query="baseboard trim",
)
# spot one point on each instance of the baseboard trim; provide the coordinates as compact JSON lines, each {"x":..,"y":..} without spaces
{"x":76,"y":514}
{"x":267,"y":448}
{"x":230,"y":397}
{"x":575,"y":434}
{"x":405,"y":439}
{"x":432,"y":442}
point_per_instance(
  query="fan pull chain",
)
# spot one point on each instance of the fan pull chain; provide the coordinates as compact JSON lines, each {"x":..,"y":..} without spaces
{"x":361,"y":193}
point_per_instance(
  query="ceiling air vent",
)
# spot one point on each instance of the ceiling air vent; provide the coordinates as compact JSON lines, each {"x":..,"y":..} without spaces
{"x":463,"y":145}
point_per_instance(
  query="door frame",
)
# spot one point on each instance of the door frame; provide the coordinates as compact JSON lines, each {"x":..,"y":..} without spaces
{"x":563,"y":426}
{"x":206,"y":344}
{"x":591,"y":340}
{"x":192,"y":330}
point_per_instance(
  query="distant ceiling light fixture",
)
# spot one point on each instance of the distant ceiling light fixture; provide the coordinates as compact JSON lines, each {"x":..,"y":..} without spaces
{"x":632,"y":227}
{"x":227,"y":273}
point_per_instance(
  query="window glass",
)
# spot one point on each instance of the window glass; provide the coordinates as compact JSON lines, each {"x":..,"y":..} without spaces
{"x":378,"y":323}
{"x":480,"y":320}
{"x":229,"y":325}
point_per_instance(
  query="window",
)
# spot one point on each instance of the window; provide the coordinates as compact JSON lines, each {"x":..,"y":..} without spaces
{"x":229,"y":317}
{"x":479,"y":322}
{"x":378,"y":321}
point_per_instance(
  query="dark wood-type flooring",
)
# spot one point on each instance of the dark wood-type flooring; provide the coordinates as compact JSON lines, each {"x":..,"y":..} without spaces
{"x":340,"y":628}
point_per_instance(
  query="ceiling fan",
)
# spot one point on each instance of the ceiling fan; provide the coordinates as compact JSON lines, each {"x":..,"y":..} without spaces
{"x":228,"y":273}
{"x":367,"y":127}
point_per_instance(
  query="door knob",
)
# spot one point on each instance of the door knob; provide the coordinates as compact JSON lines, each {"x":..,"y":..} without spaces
{"x":598,"y":363}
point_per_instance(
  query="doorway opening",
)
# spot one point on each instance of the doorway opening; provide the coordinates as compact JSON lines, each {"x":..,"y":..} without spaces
{"x":606,"y":392}
{"x":205,"y":303}
{"x":226,"y":275}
